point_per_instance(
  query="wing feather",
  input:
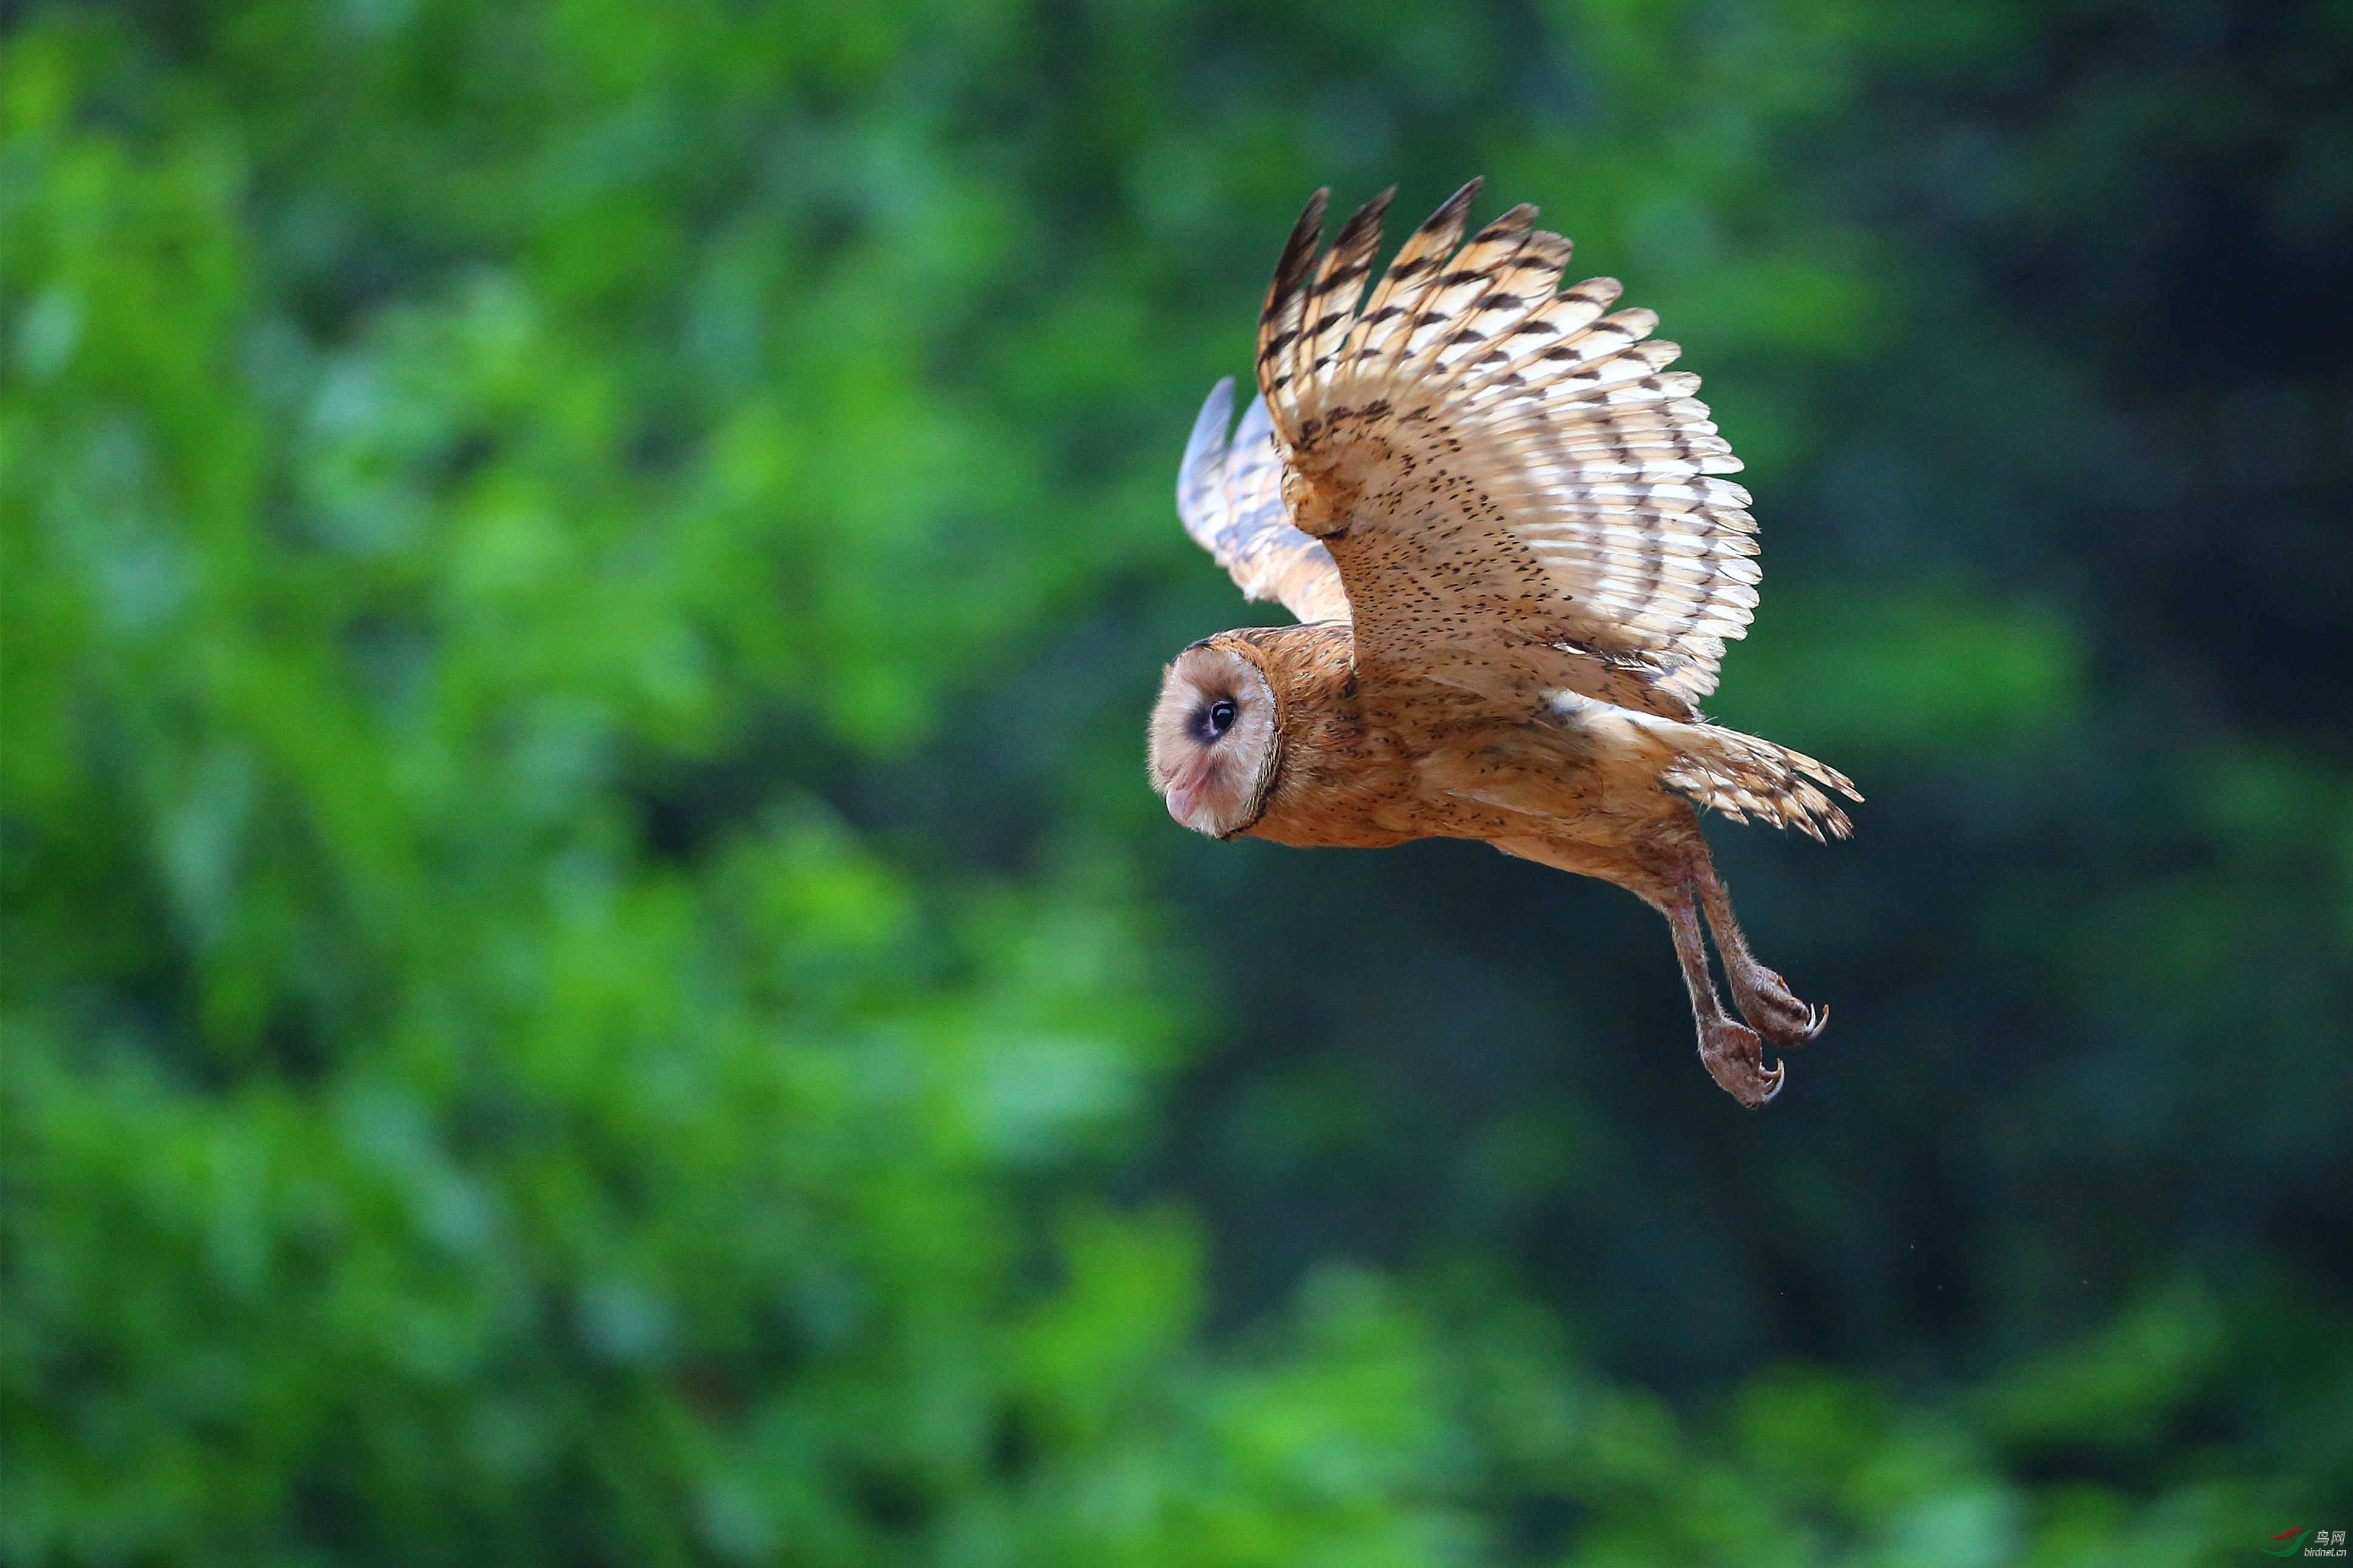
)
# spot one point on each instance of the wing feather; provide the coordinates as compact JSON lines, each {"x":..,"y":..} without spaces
{"x":1507,"y":478}
{"x":1230,"y":495}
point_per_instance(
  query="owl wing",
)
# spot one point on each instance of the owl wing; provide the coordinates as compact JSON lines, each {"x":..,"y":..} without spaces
{"x":1516,"y":494}
{"x":1230,"y":493}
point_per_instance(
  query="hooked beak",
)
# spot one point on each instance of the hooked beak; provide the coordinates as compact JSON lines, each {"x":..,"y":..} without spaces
{"x":1184,"y":788}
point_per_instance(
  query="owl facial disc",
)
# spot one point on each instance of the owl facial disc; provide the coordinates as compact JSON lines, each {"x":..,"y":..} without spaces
{"x":1213,"y":741}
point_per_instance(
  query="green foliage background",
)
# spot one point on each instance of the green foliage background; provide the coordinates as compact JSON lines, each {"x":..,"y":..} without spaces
{"x":590,"y":976}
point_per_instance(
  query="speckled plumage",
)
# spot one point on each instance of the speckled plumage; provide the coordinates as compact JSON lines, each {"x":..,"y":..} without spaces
{"x":1500,"y":521}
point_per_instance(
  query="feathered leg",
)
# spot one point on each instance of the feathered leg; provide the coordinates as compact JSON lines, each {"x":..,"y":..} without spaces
{"x":1763,"y":998}
{"x":1674,"y":875}
{"x":1731,"y":1050}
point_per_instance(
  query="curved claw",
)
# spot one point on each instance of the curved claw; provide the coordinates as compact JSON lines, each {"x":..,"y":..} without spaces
{"x":1735,"y":1057}
{"x":1764,"y":1000}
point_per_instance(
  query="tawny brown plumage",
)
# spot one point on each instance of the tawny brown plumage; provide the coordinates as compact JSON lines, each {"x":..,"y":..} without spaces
{"x":1495,"y":512}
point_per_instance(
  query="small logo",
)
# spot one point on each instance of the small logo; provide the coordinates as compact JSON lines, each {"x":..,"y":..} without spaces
{"x":2324,"y":1543}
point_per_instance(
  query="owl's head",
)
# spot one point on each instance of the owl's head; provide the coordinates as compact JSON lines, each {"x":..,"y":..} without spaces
{"x":1213,"y":742}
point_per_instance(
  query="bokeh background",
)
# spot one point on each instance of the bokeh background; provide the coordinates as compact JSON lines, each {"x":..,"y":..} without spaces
{"x":591,"y":976}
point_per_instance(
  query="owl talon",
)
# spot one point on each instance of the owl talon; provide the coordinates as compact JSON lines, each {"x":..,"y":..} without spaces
{"x":1736,"y":1060}
{"x":1765,"y":999}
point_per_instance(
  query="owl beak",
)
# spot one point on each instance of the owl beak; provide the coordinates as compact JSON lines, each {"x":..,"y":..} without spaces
{"x":1185,"y":790}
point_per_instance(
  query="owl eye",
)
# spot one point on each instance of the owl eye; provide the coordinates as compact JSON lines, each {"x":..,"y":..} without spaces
{"x":1221,"y":717}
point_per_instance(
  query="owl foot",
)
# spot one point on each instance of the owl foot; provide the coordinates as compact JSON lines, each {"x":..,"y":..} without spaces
{"x":1735,"y":1061}
{"x":1765,"y":999}
{"x":1733,"y":1054}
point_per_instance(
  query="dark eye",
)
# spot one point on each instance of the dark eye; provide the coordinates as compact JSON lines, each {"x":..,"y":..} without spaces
{"x":1221,"y":717}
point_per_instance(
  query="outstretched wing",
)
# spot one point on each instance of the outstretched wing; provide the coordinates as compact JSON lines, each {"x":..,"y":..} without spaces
{"x":1518,"y":494}
{"x":1230,"y":493}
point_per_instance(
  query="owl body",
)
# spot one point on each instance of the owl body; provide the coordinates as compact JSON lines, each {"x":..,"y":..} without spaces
{"x":1515,"y":575}
{"x":1370,"y":759}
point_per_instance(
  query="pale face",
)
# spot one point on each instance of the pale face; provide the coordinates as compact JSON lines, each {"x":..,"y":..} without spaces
{"x":1212,"y":739}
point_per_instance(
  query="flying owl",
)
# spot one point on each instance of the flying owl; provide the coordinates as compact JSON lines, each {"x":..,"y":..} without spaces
{"x":1492,"y":508}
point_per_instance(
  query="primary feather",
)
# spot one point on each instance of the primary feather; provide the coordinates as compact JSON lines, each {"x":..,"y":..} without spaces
{"x":1498,"y":467}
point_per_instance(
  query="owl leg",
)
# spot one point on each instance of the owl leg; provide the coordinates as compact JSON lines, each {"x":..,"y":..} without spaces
{"x":1730,"y":1050}
{"x":1763,"y":998}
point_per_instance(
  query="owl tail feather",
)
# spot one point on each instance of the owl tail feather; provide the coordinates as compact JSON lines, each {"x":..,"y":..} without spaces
{"x":1724,"y":770}
{"x":1741,"y":776}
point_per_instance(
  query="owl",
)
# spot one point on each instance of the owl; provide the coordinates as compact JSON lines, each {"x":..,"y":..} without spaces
{"x":1494,"y":512}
